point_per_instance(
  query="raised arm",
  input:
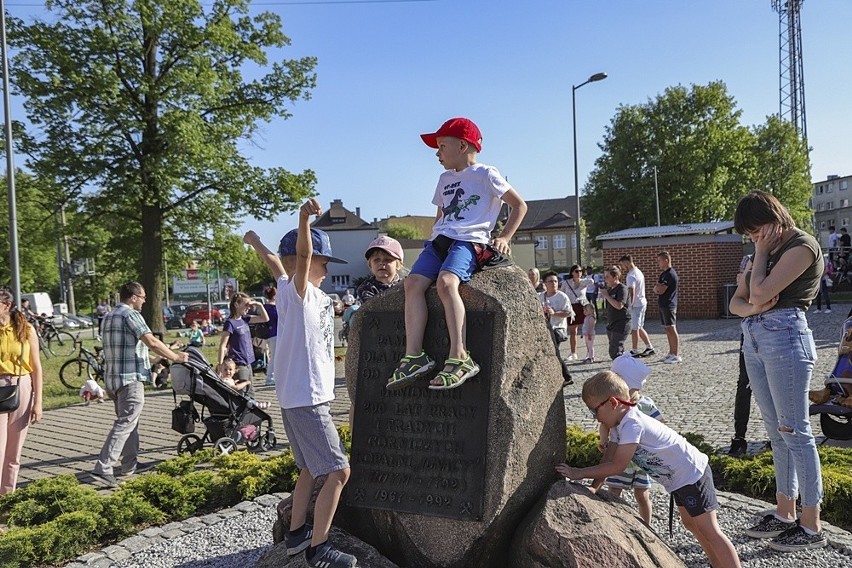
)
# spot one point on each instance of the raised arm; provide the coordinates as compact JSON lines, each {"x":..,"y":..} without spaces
{"x":269,"y":258}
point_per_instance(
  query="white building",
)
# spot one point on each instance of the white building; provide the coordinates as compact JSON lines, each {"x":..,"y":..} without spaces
{"x":349,"y":235}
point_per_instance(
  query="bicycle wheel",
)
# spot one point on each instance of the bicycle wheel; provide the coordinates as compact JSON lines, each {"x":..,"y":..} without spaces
{"x":63,"y":344}
{"x":74,"y":373}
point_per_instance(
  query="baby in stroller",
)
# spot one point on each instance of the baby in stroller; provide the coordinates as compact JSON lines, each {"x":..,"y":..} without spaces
{"x":838,"y":386}
{"x":227,"y":370}
{"x":233,"y":417}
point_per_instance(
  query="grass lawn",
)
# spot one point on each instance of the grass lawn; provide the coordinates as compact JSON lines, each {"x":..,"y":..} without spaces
{"x":56,"y":395}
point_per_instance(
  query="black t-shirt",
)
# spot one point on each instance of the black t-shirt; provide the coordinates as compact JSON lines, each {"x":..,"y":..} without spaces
{"x":845,"y":240}
{"x":617,"y":319}
{"x":670,"y":279}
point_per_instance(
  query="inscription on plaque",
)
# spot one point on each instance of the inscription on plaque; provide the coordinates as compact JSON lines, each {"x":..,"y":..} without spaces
{"x":419,"y":450}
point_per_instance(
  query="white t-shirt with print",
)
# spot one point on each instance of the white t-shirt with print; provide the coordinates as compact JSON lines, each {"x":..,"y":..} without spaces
{"x":304,"y":352}
{"x":663,"y":453}
{"x":636,"y":280}
{"x":560,"y":303}
{"x":470,"y":202}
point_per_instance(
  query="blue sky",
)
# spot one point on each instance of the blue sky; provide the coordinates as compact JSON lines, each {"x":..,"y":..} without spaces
{"x":390,"y":71}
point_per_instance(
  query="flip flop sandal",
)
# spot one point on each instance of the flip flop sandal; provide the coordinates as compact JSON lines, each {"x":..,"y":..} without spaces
{"x":411,"y":367}
{"x":459,"y":372}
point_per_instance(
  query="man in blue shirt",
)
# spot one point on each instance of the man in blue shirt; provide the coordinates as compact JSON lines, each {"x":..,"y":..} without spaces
{"x":126,"y":339}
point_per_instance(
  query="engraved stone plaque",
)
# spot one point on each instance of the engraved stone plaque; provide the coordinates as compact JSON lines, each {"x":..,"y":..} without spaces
{"x":419,"y":450}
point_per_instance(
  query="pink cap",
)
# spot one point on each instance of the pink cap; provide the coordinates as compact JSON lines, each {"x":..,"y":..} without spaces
{"x":388,"y":244}
{"x":462,"y":128}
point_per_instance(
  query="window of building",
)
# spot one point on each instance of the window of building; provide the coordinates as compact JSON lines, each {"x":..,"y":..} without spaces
{"x":820,"y":190}
{"x":844,"y":222}
{"x":822,"y":225}
{"x":559,"y":241}
{"x":830,"y":187}
{"x":340,"y":280}
{"x":819,"y":207}
{"x":844,"y":185}
{"x":844,"y":203}
{"x":829,"y":205}
{"x":541,"y":243}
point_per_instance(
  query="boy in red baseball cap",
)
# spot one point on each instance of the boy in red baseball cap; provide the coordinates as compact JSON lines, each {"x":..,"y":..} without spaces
{"x":469,"y":196}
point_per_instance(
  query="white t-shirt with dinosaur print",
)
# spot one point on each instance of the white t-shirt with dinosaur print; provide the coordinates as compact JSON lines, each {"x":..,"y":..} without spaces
{"x":470,"y":201}
{"x":663,"y":453}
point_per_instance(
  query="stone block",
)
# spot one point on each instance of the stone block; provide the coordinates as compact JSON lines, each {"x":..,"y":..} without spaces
{"x":523,"y":439}
{"x":570,"y":527}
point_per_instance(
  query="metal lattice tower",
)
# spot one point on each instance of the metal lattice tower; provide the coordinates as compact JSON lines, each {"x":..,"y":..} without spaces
{"x":791,"y":76}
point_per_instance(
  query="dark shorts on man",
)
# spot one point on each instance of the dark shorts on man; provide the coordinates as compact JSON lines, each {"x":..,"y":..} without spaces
{"x":668,"y":316}
{"x":699,"y":497}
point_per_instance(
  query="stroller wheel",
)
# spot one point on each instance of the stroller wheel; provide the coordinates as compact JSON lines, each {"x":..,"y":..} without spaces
{"x":268,"y":441}
{"x":189,"y":443}
{"x":225,"y":446}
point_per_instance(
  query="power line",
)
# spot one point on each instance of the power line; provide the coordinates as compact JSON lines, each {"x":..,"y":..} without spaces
{"x":276,"y":3}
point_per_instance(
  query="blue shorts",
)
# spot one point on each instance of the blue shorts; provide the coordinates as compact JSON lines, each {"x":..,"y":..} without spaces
{"x":313,"y":439}
{"x":461,"y":261}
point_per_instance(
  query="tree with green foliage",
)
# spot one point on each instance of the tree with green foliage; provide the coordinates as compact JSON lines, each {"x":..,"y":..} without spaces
{"x":705,"y":159}
{"x":782,"y":168}
{"x":37,"y":235}
{"x":401,"y":231}
{"x":141,"y":110}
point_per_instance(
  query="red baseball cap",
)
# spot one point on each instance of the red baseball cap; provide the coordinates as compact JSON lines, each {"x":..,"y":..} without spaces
{"x":462,"y":128}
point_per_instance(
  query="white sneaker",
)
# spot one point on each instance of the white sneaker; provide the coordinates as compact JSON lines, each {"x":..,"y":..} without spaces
{"x":817,"y":311}
{"x":572,"y":357}
{"x":672,"y":359}
{"x":827,"y":311}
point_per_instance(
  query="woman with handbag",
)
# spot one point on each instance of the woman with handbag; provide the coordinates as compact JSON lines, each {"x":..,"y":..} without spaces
{"x":558,"y":313}
{"x":20,"y":387}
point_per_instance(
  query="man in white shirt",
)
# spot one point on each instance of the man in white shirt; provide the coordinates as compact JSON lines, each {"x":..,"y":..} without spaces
{"x":833,"y":241}
{"x":635,"y":283}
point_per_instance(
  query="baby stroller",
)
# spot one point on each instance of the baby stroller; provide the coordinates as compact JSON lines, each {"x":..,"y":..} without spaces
{"x":232,"y":417}
{"x":834,"y":402}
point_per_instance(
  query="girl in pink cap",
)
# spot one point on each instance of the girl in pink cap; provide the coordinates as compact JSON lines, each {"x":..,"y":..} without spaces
{"x":384,"y":257}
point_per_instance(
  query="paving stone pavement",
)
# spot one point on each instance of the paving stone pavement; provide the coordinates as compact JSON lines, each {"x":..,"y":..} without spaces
{"x":695,"y":396}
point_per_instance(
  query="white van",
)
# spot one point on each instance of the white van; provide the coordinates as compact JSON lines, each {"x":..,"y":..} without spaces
{"x":40,"y":303}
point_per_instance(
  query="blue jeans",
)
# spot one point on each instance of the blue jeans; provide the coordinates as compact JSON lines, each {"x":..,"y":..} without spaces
{"x":779,"y":354}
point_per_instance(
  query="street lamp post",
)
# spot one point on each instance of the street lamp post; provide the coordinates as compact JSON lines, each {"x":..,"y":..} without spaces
{"x":592,"y":79}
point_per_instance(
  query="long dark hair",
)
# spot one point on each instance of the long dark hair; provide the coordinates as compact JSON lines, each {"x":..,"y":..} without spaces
{"x":19,"y":321}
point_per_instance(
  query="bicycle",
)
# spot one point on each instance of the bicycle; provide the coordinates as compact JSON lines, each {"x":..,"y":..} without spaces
{"x":55,"y":342}
{"x":86,"y":365}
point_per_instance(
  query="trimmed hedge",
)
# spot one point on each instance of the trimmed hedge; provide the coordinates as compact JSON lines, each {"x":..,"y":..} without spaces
{"x":56,"y":519}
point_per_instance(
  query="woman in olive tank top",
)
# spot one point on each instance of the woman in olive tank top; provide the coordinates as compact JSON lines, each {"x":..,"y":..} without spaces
{"x":779,"y":353}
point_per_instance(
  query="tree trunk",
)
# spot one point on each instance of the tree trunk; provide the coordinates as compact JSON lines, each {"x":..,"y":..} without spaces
{"x":152,"y":267}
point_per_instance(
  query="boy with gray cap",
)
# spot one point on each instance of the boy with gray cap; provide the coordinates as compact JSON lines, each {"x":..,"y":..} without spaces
{"x":304,"y":377}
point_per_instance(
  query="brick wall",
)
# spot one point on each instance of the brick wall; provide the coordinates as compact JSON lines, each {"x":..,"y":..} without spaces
{"x":702,"y":267}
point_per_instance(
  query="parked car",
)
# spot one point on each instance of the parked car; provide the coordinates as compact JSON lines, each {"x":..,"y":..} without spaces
{"x":200,"y":312}
{"x":339,"y":308}
{"x":224,"y":308}
{"x":82,"y":321}
{"x":171,"y":319}
{"x":68,"y":323}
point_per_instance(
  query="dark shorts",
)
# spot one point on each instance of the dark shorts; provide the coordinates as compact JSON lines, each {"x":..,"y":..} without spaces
{"x":668,"y":315}
{"x":699,"y":497}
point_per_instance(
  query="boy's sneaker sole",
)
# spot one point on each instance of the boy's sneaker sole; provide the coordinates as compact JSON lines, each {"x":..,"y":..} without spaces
{"x":769,"y":527}
{"x":796,"y":538}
